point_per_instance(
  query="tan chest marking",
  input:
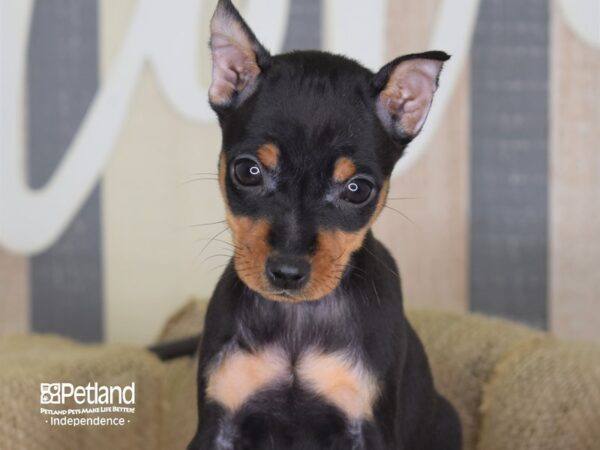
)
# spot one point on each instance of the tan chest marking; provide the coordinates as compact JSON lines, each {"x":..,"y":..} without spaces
{"x":338,"y":379}
{"x":241,"y":374}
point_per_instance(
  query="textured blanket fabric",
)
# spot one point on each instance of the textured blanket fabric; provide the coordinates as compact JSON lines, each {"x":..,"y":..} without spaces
{"x":164,"y":410}
{"x":515,"y":389}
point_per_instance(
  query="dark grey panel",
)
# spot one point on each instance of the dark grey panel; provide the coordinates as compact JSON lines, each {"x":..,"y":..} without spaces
{"x":304,"y":25}
{"x":66,"y":280}
{"x":509,"y":179}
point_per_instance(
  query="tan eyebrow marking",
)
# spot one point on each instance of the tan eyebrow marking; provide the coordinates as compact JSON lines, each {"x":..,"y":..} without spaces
{"x":268,"y":154}
{"x":344,"y":169}
{"x":242,"y":374}
{"x":345,"y":383}
{"x":222,"y":175}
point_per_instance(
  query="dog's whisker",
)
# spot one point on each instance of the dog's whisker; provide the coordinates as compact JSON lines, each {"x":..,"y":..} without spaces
{"x":193,"y":180}
{"x":359,"y":275}
{"x":401,"y":213}
{"x":222,"y":241}
{"x":381,"y":262}
{"x":403,"y":198}
{"x":220,"y":266}
{"x":212,"y":239}
{"x":207,"y":224}
{"x":221,"y":255}
{"x":350,"y":266}
{"x":376,"y":293}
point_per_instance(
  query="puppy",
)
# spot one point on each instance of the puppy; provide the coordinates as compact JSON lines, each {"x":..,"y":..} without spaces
{"x":305,"y":343}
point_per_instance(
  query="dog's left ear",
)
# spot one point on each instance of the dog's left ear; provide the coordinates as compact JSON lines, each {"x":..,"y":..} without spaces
{"x":405,"y":89}
{"x":238,"y":58}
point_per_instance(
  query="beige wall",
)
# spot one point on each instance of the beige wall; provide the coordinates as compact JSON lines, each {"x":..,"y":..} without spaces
{"x":152,"y":260}
{"x":575,"y":191}
{"x":14,"y":293}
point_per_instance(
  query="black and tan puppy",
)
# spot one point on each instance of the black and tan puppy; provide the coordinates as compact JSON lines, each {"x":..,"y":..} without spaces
{"x":305,"y":344}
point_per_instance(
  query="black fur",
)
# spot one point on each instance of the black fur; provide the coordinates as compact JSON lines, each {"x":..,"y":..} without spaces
{"x":316,"y":108}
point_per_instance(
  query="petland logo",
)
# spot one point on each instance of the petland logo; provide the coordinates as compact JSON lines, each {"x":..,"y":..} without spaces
{"x":92,"y":394}
{"x":62,"y":404}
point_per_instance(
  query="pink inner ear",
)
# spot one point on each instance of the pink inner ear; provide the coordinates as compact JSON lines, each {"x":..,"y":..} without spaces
{"x":409,"y":93}
{"x":234,"y":59}
{"x":228,"y":64}
{"x":233,"y":68}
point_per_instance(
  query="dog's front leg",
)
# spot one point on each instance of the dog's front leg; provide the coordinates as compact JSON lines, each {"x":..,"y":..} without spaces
{"x":215,"y":426}
{"x":215,"y":431}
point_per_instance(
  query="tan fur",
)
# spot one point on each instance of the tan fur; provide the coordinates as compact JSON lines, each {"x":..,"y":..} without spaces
{"x":252,"y":249}
{"x":344,"y":169}
{"x":240,"y":375}
{"x":222,"y":176}
{"x":339,"y":380}
{"x":268,"y":155}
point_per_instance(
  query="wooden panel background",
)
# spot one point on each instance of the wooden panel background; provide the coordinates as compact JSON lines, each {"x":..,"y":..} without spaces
{"x":431,"y":247}
{"x":14,"y":293}
{"x":150,"y":257}
{"x":575,"y":188}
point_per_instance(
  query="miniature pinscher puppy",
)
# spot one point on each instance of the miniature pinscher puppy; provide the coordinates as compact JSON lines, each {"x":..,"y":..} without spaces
{"x":306,"y":345}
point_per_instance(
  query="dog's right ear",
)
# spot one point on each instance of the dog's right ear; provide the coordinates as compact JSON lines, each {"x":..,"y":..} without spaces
{"x":238,"y":58}
{"x":405,"y":90}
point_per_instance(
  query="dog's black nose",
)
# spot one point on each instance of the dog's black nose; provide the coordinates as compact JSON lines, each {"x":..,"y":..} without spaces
{"x":287,"y":272}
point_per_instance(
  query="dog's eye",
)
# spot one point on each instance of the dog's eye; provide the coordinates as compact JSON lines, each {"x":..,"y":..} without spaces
{"x":247,"y":172}
{"x":357,"y":191}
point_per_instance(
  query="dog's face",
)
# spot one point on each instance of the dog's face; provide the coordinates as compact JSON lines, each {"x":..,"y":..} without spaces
{"x":309,"y":143}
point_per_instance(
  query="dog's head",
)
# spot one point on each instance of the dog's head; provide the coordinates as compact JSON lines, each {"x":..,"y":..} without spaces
{"x":309,"y":142}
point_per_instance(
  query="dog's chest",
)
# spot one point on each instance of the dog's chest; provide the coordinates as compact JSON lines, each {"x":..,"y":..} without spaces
{"x":311,"y":349}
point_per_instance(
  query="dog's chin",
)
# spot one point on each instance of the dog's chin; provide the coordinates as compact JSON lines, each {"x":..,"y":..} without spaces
{"x":294,"y":296}
{"x":269,"y":292}
{"x":284,"y":295}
